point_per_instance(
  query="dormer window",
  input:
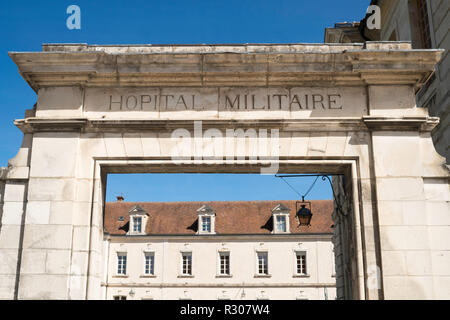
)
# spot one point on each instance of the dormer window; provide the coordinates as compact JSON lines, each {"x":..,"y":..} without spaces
{"x":138,"y":221}
{"x":280,"y":216}
{"x":137,"y":224}
{"x":206,"y":220}
{"x":280,"y":223}
{"x":206,"y":224}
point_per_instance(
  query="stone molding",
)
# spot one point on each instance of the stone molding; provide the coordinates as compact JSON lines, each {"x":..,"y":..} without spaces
{"x":366,"y":123}
{"x":260,"y":65}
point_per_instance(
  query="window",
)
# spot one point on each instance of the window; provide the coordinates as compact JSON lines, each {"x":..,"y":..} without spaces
{"x":224,"y":263}
{"x":280,"y":216}
{"x":206,"y":224}
{"x":122,"y":263}
{"x":120,"y":297}
{"x":137,"y":224}
{"x":206,"y":220}
{"x":149,"y":263}
{"x":300,"y":259}
{"x":424,"y":24}
{"x":263,"y":263}
{"x":186,"y":267}
{"x":280,"y":223}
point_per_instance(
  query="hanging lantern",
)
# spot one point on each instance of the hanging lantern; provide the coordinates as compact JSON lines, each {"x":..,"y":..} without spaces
{"x":304,"y":214}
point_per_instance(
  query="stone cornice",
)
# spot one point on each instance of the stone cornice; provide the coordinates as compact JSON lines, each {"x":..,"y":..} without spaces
{"x":366,"y":123}
{"x":226,"y":65}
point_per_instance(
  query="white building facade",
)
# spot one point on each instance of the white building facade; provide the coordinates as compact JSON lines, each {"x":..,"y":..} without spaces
{"x":208,"y":264}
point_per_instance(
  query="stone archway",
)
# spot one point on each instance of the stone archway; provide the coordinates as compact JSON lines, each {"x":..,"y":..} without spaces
{"x":314,"y":108}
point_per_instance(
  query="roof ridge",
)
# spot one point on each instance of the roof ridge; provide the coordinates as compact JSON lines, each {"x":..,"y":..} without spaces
{"x":210,"y":201}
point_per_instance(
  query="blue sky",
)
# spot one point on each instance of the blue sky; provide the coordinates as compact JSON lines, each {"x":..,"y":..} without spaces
{"x":25,"y":25}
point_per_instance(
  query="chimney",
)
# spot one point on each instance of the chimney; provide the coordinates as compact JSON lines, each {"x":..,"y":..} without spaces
{"x":120,"y":198}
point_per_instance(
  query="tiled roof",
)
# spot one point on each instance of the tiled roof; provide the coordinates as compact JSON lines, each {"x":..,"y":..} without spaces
{"x":232,"y":217}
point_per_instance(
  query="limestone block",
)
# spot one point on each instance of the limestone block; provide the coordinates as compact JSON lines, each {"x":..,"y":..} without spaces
{"x":440,"y":287}
{"x":80,"y":238}
{"x":433,"y":164}
{"x":33,"y":261}
{"x":336,"y":144}
{"x":58,"y":262}
{"x":38,"y":212}
{"x":317,"y":145}
{"x":390,"y":213}
{"x":357,"y":145}
{"x":8,"y":257}
{"x":333,"y":101}
{"x":408,"y":288}
{"x":440,"y":261}
{"x":77,"y":290}
{"x":14,"y":192}
{"x":396,"y":154}
{"x":366,"y":189}
{"x":367,"y":214}
{"x":114,"y":145}
{"x":84,"y":190}
{"x":418,"y":263}
{"x":133,"y":144}
{"x":400,"y":188}
{"x":284,"y":148}
{"x":436,"y":189}
{"x":79,"y":263}
{"x":253,"y":103}
{"x":393,"y":101}
{"x":394,"y":263}
{"x":299,"y":144}
{"x":47,"y":237}
{"x":185,"y":103}
{"x":150,"y":145}
{"x":439,"y":237}
{"x":54,"y":154}
{"x":12,"y":213}
{"x":438,"y":212}
{"x":61,"y":189}
{"x":9,"y":237}
{"x":404,"y":238}
{"x":413,"y":213}
{"x":124,"y":103}
{"x":22,"y":156}
{"x":43,"y":287}
{"x":81,"y":213}
{"x":61,"y":212}
{"x":7,"y":285}
{"x":59,"y":102}
{"x":167,"y":144}
{"x":18,"y":173}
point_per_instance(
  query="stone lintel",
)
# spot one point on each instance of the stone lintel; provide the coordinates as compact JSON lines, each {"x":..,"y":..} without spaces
{"x":366,"y":123}
{"x":247,"y":65}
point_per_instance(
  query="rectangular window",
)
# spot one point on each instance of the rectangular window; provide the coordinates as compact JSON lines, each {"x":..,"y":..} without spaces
{"x":120,"y":297}
{"x":301,"y":262}
{"x":122,"y":263}
{"x":137,"y":224}
{"x":149,"y":266}
{"x":224,"y":263}
{"x":424,"y":24}
{"x":263,"y":263}
{"x":186,"y":268}
{"x":206,"y":224}
{"x":281,"y":223}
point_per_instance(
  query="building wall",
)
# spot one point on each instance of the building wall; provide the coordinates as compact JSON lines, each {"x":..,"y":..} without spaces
{"x":168,"y":283}
{"x":398,"y":19}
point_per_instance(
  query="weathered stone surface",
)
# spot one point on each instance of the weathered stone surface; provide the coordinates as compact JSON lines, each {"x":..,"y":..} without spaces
{"x":115,"y":108}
